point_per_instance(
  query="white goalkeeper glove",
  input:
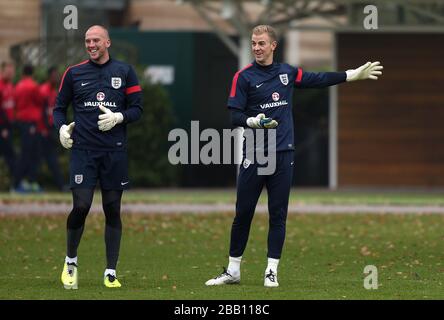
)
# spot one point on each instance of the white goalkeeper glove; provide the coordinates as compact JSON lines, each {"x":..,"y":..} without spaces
{"x":370,"y":70}
{"x":108,"y":119}
{"x":65,"y":135}
{"x":260,"y":121}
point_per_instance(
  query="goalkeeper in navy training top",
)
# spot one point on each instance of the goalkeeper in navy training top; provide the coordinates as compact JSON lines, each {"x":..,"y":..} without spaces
{"x":105,"y":95}
{"x":261,"y":98}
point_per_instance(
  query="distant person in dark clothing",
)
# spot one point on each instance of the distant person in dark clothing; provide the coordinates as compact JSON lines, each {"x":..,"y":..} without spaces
{"x":7,"y":72}
{"x":46,"y":132}
{"x":28,"y":115}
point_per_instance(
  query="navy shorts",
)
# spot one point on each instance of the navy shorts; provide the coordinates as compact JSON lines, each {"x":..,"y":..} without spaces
{"x":86,"y":167}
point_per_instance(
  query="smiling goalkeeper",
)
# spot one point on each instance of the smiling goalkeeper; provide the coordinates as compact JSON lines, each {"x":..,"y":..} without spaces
{"x":261,"y":98}
{"x":106,"y":96}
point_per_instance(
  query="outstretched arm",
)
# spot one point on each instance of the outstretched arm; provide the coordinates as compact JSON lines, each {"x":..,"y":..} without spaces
{"x":370,"y":70}
{"x":306,"y":79}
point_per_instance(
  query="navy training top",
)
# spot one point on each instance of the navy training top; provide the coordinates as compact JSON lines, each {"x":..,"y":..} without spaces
{"x":85,"y":85}
{"x":269,"y":89}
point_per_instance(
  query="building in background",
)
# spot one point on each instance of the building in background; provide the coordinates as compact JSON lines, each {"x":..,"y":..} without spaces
{"x":385,"y":133}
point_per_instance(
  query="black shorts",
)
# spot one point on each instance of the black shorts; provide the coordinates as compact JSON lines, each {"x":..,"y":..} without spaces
{"x":86,"y":167}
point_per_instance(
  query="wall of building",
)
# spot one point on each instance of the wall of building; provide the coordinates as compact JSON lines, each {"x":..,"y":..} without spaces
{"x":310,"y":49}
{"x":19,"y":21}
{"x":391,"y":130}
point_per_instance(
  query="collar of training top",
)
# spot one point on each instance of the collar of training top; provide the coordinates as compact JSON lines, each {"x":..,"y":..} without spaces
{"x":267,"y":67}
{"x":100,"y":65}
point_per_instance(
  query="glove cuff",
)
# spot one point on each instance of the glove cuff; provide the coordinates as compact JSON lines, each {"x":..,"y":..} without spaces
{"x":119,"y":117}
{"x":63,"y":127}
{"x":253,"y":123}
{"x":350,"y":74}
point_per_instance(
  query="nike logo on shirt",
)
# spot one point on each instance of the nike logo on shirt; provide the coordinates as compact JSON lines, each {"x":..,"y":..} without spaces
{"x":84,"y":84}
{"x":258,"y":85}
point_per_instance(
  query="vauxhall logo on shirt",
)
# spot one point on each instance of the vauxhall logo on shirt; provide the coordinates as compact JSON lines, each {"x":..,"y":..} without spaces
{"x":100,"y":96}
{"x":275,"y":97}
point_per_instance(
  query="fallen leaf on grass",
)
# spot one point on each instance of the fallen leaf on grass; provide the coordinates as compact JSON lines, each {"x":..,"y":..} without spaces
{"x":365,"y":251}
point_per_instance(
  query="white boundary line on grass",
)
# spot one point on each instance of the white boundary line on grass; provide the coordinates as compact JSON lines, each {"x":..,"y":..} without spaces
{"x":179,"y":208}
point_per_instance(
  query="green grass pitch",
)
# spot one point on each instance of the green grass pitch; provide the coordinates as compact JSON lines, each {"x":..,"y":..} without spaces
{"x":171,"y":256}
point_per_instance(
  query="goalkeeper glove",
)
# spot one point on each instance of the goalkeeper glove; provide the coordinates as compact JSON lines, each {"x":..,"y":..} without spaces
{"x":370,"y":70}
{"x":108,"y":119}
{"x":65,"y":135}
{"x":260,"y":121}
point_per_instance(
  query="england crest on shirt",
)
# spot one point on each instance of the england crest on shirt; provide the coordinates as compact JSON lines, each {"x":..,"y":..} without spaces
{"x":246,"y":163}
{"x":78,"y":178}
{"x":284,"y":78}
{"x":116,"y":82}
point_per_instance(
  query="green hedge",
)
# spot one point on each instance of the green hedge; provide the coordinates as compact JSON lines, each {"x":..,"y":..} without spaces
{"x":148,"y":141}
